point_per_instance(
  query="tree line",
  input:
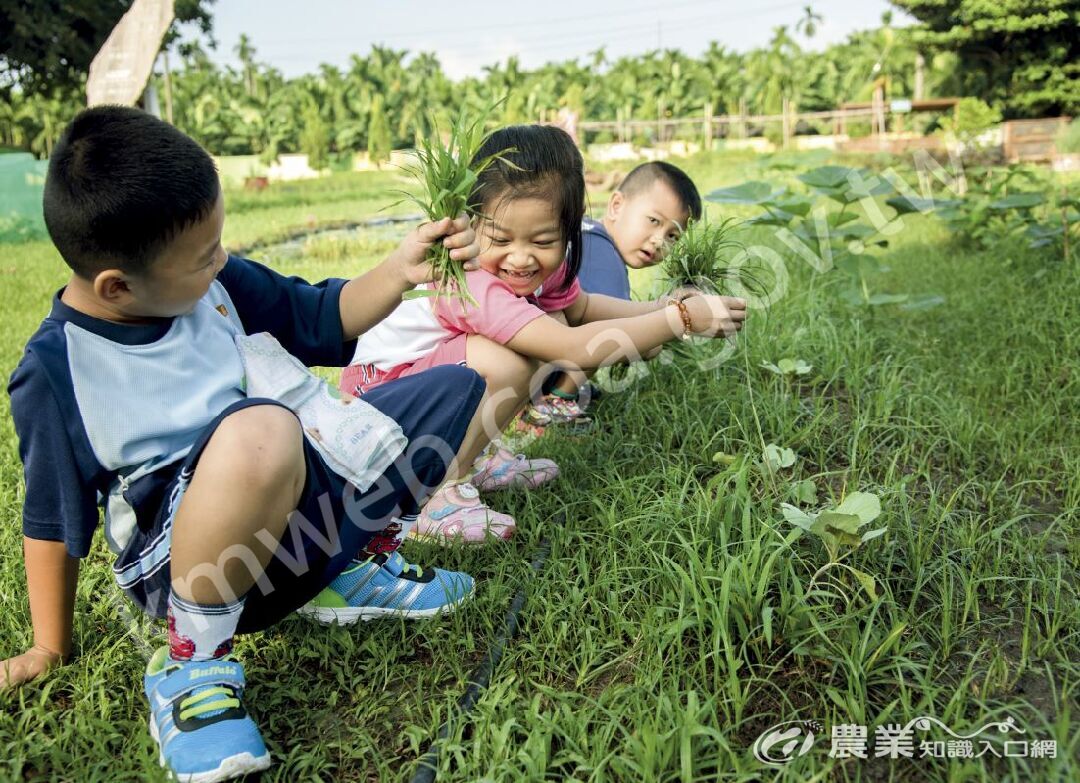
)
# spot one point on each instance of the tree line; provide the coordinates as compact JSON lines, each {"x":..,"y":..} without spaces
{"x":1022,"y":56}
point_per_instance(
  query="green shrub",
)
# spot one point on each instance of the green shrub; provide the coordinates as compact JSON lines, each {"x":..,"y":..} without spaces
{"x":971,"y":117}
{"x":315,"y":138}
{"x":859,"y":129}
{"x":1068,"y":138}
{"x":379,"y":143}
{"x":341,"y":162}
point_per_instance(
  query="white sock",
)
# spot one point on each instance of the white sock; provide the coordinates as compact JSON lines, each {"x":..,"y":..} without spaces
{"x":387,"y":540}
{"x":201,"y":632}
{"x":407,"y":522}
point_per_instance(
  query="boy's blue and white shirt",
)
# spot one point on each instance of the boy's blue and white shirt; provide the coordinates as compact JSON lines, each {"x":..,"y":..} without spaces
{"x":98,"y":404}
{"x":603,"y":270}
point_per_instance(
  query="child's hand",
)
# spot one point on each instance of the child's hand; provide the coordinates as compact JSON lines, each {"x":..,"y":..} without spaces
{"x":457,"y":235}
{"x":716,"y":316}
{"x":29,"y":666}
{"x":680,"y":294}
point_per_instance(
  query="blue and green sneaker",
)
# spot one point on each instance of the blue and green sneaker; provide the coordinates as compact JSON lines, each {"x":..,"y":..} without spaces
{"x":198,"y":721}
{"x":385,"y":585}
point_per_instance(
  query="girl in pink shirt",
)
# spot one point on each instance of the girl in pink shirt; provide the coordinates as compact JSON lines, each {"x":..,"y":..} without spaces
{"x":530,"y":317}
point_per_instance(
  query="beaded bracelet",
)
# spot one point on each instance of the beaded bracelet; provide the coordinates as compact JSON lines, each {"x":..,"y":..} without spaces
{"x":684,"y":313}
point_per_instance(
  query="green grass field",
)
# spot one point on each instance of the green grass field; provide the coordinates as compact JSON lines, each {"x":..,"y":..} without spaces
{"x":674,"y":621}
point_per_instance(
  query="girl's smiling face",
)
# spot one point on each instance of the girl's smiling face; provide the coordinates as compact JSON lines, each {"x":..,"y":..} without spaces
{"x":521,"y":242}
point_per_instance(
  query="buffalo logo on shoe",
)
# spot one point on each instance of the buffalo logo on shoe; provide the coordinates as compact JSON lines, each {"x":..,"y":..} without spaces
{"x":210,"y":671}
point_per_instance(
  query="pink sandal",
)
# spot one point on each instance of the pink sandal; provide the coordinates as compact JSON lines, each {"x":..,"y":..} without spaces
{"x":456,"y":515}
{"x":502,"y":469}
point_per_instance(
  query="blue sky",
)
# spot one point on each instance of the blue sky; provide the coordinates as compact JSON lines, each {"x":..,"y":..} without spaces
{"x":297,"y":37}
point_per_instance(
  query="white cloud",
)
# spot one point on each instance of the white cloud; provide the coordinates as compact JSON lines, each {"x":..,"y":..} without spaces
{"x":459,"y":63}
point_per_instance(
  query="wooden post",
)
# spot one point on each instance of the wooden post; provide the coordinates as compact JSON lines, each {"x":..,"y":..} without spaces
{"x":785,"y":125}
{"x":659,"y":120}
{"x":707,"y":128}
{"x":920,"y":77}
{"x":877,"y":123}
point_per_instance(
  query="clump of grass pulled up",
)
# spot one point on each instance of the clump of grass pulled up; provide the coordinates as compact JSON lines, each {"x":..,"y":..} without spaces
{"x":707,"y":256}
{"x":701,"y":256}
{"x":447,"y":173}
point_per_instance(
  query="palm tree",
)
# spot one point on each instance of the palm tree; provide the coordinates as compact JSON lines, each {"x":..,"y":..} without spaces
{"x":809,"y":23}
{"x":254,"y":109}
{"x":426,"y":89}
{"x":725,"y":81}
{"x":246,"y":52}
{"x":774,"y":73}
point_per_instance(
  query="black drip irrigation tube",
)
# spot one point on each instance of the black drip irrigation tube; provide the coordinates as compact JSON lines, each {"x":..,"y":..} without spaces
{"x":481,"y":676}
{"x":322,"y":228}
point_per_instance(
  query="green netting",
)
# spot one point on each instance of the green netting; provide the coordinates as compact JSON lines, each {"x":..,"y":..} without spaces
{"x":22,"y":180}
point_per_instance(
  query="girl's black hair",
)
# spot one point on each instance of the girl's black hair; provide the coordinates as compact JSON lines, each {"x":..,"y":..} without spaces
{"x":540,"y":161}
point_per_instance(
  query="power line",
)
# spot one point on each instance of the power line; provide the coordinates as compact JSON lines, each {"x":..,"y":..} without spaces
{"x":444,"y":31}
{"x":581,"y":37}
{"x":554,"y":44}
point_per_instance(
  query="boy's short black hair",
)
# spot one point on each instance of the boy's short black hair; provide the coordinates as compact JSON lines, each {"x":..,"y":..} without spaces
{"x":646,"y":174}
{"x":539,"y":161}
{"x":121,"y":185}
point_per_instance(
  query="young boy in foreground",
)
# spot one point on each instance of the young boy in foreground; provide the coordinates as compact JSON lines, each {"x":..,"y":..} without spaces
{"x":647,"y":211}
{"x":131,"y":395}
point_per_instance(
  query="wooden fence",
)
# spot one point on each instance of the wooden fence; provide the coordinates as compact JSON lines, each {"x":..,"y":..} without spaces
{"x":876,"y":113}
{"x":1031,"y":140}
{"x":711,"y":126}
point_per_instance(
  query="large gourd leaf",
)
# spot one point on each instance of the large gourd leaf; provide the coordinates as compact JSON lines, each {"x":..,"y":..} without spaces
{"x":746,"y":193}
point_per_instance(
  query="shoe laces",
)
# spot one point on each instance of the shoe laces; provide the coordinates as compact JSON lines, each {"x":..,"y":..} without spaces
{"x":207,"y":702}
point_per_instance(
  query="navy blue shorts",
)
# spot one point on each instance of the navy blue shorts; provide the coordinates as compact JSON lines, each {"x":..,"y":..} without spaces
{"x":333,"y":521}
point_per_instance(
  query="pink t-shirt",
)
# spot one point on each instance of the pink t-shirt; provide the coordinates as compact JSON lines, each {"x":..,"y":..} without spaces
{"x":418,"y":326}
{"x":500,"y":313}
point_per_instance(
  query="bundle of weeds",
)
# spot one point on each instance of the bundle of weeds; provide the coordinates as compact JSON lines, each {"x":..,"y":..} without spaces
{"x":703,"y":255}
{"x":709,"y":256}
{"x":447,"y":173}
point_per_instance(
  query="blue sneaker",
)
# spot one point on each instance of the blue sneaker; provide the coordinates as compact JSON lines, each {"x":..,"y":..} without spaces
{"x":385,"y":585}
{"x":198,"y":722}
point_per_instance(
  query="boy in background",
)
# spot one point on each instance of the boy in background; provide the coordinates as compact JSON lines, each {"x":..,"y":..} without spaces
{"x":646,"y":212}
